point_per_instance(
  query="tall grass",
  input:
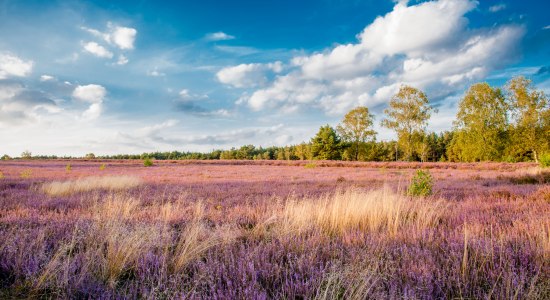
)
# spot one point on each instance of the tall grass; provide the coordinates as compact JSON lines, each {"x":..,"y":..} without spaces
{"x":113,"y":183}
{"x":376,"y":210}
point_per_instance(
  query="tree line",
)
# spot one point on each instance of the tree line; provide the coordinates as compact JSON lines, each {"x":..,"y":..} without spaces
{"x":510,"y":124}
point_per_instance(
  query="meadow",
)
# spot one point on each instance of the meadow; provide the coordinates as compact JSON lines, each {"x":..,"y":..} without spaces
{"x":272,"y":230}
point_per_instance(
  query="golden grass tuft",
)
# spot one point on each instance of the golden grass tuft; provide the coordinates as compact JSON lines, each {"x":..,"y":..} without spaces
{"x":86,"y":184}
{"x":376,"y":210}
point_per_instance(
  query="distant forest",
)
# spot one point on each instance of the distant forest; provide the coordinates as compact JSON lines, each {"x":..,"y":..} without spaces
{"x":510,"y":124}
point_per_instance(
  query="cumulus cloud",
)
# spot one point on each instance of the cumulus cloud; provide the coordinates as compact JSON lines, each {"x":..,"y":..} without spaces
{"x":247,"y":75}
{"x":97,"y":50}
{"x":219,"y":36}
{"x":194,"y":104}
{"x":13,"y":66}
{"x":122,"y":60}
{"x":427,"y":45}
{"x":19,"y":104}
{"x":93,"y":94}
{"x":497,"y":7}
{"x":46,"y":78}
{"x":119,"y":36}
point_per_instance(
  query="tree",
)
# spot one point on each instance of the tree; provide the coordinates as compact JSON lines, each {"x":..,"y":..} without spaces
{"x":356,"y":128}
{"x":26,"y":154}
{"x":408,"y":114}
{"x":529,"y":107}
{"x":325,"y":144}
{"x":90,"y":156}
{"x":481,"y":124}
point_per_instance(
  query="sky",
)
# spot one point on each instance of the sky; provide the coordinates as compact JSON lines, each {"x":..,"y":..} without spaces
{"x":113,"y":77}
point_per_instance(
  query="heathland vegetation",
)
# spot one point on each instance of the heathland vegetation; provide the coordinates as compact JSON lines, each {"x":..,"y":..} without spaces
{"x":510,"y":124}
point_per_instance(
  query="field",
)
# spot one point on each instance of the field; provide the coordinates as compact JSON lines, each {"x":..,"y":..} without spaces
{"x":272,"y":230}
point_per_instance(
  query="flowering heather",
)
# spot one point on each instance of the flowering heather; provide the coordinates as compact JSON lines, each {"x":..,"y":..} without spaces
{"x":271,"y":230}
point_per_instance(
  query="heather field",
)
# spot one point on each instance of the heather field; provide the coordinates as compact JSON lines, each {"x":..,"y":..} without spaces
{"x":272,"y":230}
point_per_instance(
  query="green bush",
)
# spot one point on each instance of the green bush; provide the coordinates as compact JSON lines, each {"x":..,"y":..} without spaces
{"x":102,"y":167}
{"x":147,"y":162}
{"x":68,"y":168}
{"x":310,"y":166}
{"x":421,"y":184}
{"x":544,"y":160}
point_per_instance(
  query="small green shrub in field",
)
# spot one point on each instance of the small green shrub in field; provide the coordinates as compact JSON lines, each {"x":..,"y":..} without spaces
{"x":102,"y":167}
{"x":310,"y":166}
{"x":26,"y":174}
{"x":147,"y":162}
{"x":421,"y":184}
{"x":68,"y":167}
{"x":1,"y":175}
{"x":544,"y":160}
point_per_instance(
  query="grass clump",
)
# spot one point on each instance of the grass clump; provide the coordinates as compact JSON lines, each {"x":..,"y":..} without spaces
{"x":421,"y":184}
{"x":59,"y":188}
{"x":377,"y":210}
{"x":147,"y":162}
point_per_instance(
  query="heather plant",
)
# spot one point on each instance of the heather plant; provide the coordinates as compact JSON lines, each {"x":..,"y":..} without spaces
{"x":421,"y":184}
{"x":147,"y":162}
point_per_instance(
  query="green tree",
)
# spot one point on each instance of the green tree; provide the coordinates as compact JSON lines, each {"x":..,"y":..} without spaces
{"x":529,"y":107}
{"x":481,"y":124}
{"x":356,"y":128}
{"x":325,"y":144}
{"x":408,"y":114}
{"x":26,"y":154}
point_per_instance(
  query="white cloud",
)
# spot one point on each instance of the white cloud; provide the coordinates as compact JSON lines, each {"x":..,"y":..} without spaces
{"x":97,"y":50}
{"x":497,"y":8}
{"x":122,"y":60}
{"x":11,"y":65}
{"x":19,"y":104}
{"x":395,"y":49}
{"x":119,"y":36}
{"x":156,"y":73}
{"x":93,"y":94}
{"x":247,"y":75}
{"x":46,"y":78}
{"x":219,"y":36}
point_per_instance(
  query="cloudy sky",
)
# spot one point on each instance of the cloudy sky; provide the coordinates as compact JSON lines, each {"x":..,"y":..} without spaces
{"x":135,"y":76}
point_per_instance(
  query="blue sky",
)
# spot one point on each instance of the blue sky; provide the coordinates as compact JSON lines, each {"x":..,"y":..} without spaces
{"x":136,"y":76}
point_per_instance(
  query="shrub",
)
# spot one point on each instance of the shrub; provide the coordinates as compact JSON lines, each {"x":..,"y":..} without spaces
{"x":147,"y":162}
{"x":544,"y":160}
{"x":26,"y":174}
{"x":102,"y":167}
{"x":68,"y":168}
{"x":421,"y":184}
{"x":5,"y":157}
{"x":310,"y":166}
{"x":1,"y":175}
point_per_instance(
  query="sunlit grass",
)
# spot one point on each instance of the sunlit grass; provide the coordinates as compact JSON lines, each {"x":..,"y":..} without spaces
{"x":60,"y":188}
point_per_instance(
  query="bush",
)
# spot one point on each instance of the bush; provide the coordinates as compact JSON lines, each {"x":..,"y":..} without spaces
{"x":68,"y":167}
{"x":102,"y":167}
{"x":421,"y":184}
{"x":25,"y":174}
{"x":310,"y":166}
{"x":544,"y":160}
{"x":1,"y":175}
{"x":147,"y":162}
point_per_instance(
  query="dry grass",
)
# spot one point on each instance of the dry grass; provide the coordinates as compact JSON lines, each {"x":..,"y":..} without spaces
{"x":113,"y":183}
{"x":377,"y":210}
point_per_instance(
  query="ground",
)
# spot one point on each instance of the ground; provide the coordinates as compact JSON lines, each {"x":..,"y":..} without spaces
{"x":272,"y":229}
